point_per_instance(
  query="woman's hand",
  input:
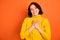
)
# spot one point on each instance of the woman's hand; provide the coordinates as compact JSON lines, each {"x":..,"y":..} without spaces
{"x":37,"y":26}
{"x":32,"y":27}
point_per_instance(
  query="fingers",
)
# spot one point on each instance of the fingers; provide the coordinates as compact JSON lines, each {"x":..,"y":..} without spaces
{"x":37,"y":21}
{"x":33,"y":22}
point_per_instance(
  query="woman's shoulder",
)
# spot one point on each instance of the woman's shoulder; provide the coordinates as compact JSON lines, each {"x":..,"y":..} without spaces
{"x":27,"y":18}
{"x":45,"y":19}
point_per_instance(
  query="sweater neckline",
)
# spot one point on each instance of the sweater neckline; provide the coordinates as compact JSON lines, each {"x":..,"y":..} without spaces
{"x":35,"y":16}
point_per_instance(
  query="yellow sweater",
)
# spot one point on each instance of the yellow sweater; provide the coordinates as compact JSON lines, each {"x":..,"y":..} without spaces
{"x":35,"y":35}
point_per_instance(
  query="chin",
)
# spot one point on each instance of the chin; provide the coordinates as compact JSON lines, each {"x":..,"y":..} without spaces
{"x":36,"y":14}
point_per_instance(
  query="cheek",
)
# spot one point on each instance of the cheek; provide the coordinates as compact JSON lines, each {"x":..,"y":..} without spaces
{"x":37,"y":11}
{"x":31,"y":11}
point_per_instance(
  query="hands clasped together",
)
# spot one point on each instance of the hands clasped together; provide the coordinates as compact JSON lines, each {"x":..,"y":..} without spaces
{"x":35,"y":25}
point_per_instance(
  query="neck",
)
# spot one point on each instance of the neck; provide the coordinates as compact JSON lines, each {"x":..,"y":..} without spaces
{"x":35,"y":15}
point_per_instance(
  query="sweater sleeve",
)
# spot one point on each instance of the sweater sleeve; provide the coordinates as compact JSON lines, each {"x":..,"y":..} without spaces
{"x":24,"y":32}
{"x":47,"y":33}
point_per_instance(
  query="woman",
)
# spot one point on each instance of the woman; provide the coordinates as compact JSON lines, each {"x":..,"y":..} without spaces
{"x":35,"y":27}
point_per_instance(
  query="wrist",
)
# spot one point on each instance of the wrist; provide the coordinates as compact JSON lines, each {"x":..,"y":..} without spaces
{"x":41,"y":31}
{"x":31,"y":28}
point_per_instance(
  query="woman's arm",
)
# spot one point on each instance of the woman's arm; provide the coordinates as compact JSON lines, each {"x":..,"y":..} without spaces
{"x":47,"y":33}
{"x":24,"y":32}
{"x":32,"y":27}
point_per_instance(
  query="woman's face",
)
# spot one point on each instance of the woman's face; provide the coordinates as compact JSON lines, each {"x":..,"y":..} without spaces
{"x":34,"y":10}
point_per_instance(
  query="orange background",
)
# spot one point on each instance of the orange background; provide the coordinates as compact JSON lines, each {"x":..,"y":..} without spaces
{"x":12,"y":13}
